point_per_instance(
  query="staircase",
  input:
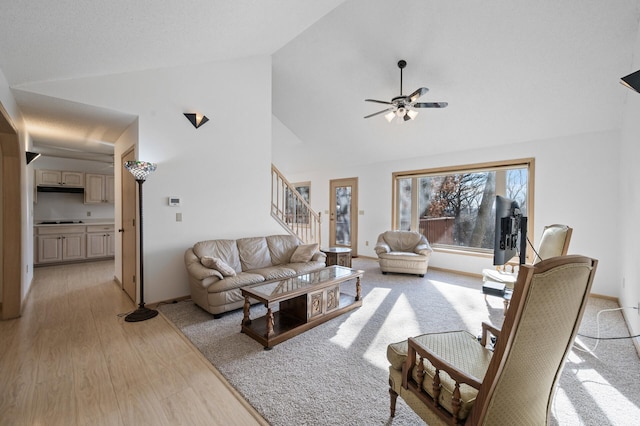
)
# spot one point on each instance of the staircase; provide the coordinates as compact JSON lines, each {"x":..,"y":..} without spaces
{"x":292,"y":211}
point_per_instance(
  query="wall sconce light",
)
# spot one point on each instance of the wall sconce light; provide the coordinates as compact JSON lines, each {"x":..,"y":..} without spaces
{"x":32,"y":156}
{"x":195,"y":119}
{"x":632,"y":81}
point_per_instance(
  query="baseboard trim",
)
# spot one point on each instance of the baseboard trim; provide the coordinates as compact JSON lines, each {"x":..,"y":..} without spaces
{"x":454,"y":271}
{"x":154,"y":305}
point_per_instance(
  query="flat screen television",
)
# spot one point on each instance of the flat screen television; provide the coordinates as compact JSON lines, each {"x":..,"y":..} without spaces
{"x":510,"y":233}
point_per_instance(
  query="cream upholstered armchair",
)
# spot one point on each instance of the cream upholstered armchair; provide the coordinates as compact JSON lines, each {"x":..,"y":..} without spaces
{"x":406,"y":252}
{"x":554,"y":242}
{"x":514,"y":384}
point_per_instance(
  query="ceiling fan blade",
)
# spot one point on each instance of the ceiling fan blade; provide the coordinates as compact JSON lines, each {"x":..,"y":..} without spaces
{"x":430,"y":105}
{"x":380,"y":102}
{"x":379,"y":112}
{"x":415,"y":95}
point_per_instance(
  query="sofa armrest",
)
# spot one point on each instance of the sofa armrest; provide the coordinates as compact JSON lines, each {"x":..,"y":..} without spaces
{"x":423,"y":249}
{"x":382,"y":248}
{"x":196,"y":269}
{"x":319,"y":257}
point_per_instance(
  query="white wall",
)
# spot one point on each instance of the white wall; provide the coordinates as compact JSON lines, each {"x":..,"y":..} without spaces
{"x":221,"y":170}
{"x":628,"y":212}
{"x":575,"y":183}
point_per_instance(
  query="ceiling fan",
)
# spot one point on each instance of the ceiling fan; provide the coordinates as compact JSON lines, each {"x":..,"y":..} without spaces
{"x":403,"y":108}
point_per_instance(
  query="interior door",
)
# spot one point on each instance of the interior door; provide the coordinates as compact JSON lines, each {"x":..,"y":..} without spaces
{"x":128,"y":230}
{"x":343,"y":214}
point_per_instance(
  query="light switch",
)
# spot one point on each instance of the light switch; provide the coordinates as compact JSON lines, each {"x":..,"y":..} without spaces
{"x":178,"y":217}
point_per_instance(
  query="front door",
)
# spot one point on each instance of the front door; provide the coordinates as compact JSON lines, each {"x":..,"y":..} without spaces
{"x":343,"y":218}
{"x":128,"y":227}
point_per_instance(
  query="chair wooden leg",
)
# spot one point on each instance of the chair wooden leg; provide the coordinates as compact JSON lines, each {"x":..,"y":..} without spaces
{"x":394,"y":397}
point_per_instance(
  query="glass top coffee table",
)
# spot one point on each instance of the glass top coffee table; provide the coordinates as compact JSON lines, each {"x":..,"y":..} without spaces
{"x":303,"y":301}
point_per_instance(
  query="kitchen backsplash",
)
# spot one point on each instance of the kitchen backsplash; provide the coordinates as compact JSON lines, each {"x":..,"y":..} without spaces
{"x":69,"y":206}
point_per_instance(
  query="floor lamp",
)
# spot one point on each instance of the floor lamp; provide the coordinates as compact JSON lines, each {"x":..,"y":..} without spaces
{"x":140,"y":170}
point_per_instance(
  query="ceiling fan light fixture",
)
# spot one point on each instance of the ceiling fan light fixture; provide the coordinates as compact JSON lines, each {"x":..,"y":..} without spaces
{"x":403,"y":108}
{"x":390,"y":116}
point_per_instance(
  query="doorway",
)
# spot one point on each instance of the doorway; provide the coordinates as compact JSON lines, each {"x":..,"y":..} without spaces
{"x":343,"y":214}
{"x":11,"y":160}
{"x":128,"y":230}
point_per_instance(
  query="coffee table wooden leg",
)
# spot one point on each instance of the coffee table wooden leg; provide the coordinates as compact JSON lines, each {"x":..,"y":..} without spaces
{"x":358,"y":288}
{"x":269,"y":322}
{"x":245,"y":319}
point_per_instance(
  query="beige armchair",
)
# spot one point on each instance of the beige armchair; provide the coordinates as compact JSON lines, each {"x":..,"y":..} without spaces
{"x":514,"y":384}
{"x":405,"y":252}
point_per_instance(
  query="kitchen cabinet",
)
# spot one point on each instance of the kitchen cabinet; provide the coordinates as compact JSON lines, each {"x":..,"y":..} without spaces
{"x":100,"y":241}
{"x":59,"y":178}
{"x":61,"y":243}
{"x":98,"y":189}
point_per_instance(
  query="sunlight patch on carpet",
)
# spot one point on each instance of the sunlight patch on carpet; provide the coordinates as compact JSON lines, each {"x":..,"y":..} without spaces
{"x":568,"y":410}
{"x":402,"y":316}
{"x":594,"y":383}
{"x":466,"y":302}
{"x":351,"y":328}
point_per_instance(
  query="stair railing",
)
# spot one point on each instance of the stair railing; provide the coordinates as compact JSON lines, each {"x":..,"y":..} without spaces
{"x":292,"y":211}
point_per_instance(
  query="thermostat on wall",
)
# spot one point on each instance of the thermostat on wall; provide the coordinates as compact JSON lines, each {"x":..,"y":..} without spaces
{"x":174,"y":201}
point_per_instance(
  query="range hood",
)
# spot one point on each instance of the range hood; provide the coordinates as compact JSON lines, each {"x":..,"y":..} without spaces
{"x":63,"y":189}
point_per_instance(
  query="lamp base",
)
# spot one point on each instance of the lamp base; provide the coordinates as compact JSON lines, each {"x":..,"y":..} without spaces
{"x":141,"y":314}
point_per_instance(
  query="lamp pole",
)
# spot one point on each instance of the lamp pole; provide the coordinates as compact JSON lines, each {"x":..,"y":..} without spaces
{"x":140,"y":170}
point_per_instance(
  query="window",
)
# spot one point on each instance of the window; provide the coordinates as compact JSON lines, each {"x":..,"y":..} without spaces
{"x":455,"y":207}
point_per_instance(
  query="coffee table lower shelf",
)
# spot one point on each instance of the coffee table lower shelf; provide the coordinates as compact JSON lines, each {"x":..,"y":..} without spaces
{"x":287,"y":325}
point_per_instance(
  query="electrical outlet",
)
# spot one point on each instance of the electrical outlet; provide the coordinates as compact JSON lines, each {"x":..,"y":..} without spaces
{"x":366,"y":243}
{"x":88,"y":214}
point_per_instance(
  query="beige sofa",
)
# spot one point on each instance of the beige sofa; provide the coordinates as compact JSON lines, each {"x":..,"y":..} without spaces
{"x":219,"y":268}
{"x":405,"y":252}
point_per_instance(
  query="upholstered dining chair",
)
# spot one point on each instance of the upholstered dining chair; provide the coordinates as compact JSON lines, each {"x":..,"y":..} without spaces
{"x":554,"y":242}
{"x":451,"y":378}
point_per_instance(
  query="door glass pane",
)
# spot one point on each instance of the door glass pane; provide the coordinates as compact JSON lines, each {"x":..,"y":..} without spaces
{"x":343,"y":215}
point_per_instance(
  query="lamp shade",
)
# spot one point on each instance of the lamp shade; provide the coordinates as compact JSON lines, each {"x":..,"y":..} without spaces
{"x":140,"y":169}
{"x":632,"y":81}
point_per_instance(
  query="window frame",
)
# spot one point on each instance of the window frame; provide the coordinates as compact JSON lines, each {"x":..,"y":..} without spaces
{"x":528,"y":163}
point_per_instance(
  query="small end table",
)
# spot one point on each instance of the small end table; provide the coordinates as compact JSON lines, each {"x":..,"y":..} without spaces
{"x":340,"y":256}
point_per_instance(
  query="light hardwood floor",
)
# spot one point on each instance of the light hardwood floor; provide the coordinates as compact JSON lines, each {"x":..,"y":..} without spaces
{"x":71,"y":359}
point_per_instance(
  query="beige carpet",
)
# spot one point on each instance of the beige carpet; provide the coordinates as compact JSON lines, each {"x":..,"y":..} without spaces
{"x":336,"y":373}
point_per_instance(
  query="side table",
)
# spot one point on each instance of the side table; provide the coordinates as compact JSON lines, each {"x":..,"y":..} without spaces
{"x":340,"y":256}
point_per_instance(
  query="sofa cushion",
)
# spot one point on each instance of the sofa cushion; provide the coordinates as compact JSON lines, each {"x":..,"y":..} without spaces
{"x":274,"y":272}
{"x":226,"y":250}
{"x":281,"y":248}
{"x":254,"y":253}
{"x":218,"y":264}
{"x":241,"y":279}
{"x":302,"y":268}
{"x":304,"y":253}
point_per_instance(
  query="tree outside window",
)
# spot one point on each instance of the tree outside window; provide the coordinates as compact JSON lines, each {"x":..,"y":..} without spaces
{"x":455,"y":207}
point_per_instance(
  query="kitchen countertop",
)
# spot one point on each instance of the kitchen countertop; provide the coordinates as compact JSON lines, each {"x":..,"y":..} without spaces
{"x":73,"y":222}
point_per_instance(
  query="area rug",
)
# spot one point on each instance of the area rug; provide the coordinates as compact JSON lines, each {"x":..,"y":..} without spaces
{"x":336,"y":373}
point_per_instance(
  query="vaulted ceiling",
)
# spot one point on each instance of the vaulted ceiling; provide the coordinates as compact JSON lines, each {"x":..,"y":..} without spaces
{"x":511,"y":70}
